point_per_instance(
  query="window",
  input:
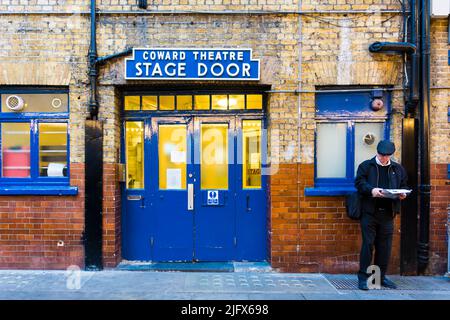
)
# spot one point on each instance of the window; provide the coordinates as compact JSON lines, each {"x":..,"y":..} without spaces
{"x":183,"y":102}
{"x":347,"y":133}
{"x":34,"y":137}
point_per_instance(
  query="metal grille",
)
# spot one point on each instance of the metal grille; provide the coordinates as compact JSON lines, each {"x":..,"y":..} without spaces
{"x":350,"y":282}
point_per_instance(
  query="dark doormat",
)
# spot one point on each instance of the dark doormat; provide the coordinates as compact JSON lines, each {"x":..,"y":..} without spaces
{"x":178,"y":266}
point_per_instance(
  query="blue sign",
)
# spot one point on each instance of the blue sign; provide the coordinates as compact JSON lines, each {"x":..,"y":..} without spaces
{"x":191,"y":64}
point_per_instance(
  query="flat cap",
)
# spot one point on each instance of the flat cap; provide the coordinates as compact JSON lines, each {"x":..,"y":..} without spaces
{"x":385,"y":147}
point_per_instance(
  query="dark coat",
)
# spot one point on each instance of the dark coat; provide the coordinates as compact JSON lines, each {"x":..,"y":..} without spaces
{"x":367,"y":178}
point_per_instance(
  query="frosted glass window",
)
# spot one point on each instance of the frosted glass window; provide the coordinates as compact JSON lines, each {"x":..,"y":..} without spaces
{"x":331,"y":150}
{"x":134,"y":153}
{"x":53,"y":149}
{"x":16,"y":150}
{"x":367,"y":136}
{"x":214,"y":156}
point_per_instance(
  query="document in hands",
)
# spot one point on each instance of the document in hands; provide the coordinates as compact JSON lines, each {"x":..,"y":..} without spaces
{"x":394,"y":193}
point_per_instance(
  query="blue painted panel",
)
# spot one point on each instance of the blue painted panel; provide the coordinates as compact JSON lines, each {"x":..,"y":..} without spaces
{"x":58,"y":190}
{"x":135,"y":226}
{"x":351,"y":104}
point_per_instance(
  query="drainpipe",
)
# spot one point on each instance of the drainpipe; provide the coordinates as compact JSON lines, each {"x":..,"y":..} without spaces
{"x":410,"y":257}
{"x":424,"y":137}
{"x":93,"y":176}
{"x":93,"y":68}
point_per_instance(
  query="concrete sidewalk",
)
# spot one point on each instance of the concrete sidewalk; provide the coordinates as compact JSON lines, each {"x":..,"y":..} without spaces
{"x":152,"y":285}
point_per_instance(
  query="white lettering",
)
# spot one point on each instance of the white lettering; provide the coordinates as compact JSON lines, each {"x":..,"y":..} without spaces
{"x":235,"y":66}
{"x":139,"y":70}
{"x":145,"y":55}
{"x":246,"y":70}
{"x":240,"y":56}
{"x":152,"y":55}
{"x":217,"y":74}
{"x":147,"y":66}
{"x":202,"y":70}
{"x":218,"y":56}
{"x":182,"y":69}
{"x":202,"y":55}
{"x":232,"y":55}
{"x":182,"y":55}
{"x":211,"y":55}
{"x":172,"y":72}
{"x":157,"y":70}
{"x":195,"y":54}
{"x":174,"y":55}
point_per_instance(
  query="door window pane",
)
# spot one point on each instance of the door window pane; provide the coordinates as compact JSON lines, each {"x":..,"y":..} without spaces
{"x":201,"y":102}
{"x":219,"y":102}
{"x":184,"y":102}
{"x":237,"y":102}
{"x":214,"y":156}
{"x":331,"y":150}
{"x":134,"y":153}
{"x":149,"y":103}
{"x":15,"y":150}
{"x":251,"y":154}
{"x":53,"y":149}
{"x":367,"y":136}
{"x":172,"y":156}
{"x":254,"y":101}
{"x":166,"y":102}
{"x":132,"y":103}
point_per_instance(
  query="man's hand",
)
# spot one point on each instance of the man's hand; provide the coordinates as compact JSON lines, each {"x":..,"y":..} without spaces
{"x":402,"y":196}
{"x":377,"y":193}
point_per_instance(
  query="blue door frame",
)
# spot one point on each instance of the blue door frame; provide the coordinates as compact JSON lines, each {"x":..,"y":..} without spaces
{"x":157,"y":225}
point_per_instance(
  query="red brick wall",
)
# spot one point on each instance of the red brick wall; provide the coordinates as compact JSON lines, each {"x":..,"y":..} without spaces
{"x":313,"y":234}
{"x":31,"y":226}
{"x":440,"y":202}
{"x":111,"y":216}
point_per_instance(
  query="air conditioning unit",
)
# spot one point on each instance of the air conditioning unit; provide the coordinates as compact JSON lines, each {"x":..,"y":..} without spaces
{"x":15,"y":103}
{"x":440,"y":8}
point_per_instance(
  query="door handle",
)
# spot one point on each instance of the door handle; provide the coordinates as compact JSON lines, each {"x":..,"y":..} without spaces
{"x":248,"y":203}
{"x":190,"y":204}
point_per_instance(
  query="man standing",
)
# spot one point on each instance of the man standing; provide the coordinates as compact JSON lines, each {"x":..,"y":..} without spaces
{"x":377,"y":211}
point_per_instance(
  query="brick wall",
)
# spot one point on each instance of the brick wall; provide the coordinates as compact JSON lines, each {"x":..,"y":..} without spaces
{"x":313,"y":234}
{"x":111,"y":216}
{"x":32,"y":226}
{"x":440,"y":207}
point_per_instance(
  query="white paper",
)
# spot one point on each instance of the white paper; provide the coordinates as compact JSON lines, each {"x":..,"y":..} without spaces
{"x":173,"y":179}
{"x":254,"y":160}
{"x":55,"y":170}
{"x":177,"y":156}
{"x":394,"y":193}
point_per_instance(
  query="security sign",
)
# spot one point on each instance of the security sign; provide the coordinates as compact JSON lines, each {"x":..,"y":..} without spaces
{"x":191,"y":64}
{"x":213,"y":198}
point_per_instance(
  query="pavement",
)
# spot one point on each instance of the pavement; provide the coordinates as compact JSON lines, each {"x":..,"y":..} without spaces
{"x":244,"y":282}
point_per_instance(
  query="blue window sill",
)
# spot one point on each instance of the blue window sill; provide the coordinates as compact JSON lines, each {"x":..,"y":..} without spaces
{"x":39,"y":190}
{"x":329,"y":191}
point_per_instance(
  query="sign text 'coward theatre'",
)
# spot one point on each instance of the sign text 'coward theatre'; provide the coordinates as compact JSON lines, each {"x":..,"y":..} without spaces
{"x":192,"y":64}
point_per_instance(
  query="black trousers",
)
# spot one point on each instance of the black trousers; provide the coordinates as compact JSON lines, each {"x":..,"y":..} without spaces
{"x":377,"y":230}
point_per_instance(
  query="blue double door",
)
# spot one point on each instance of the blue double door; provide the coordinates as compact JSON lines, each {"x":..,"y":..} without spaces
{"x":202,"y":195}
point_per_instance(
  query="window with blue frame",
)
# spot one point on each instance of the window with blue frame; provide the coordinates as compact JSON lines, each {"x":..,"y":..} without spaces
{"x":349,"y":125}
{"x":34,"y":137}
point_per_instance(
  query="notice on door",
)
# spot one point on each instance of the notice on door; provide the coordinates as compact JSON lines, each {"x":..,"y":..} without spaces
{"x":173,"y":179}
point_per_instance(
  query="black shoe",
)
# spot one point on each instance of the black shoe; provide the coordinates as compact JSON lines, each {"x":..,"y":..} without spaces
{"x":362,"y":285}
{"x":388,"y":283}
